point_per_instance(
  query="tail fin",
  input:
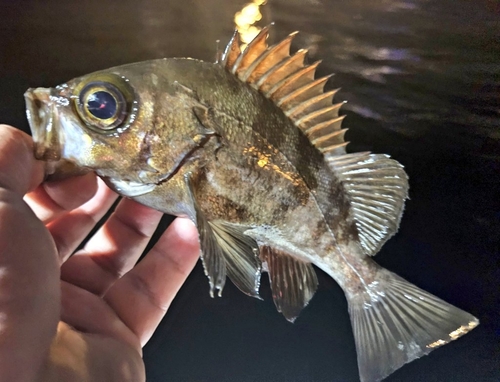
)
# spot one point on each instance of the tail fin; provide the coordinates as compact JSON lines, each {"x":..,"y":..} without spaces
{"x":397,"y":322}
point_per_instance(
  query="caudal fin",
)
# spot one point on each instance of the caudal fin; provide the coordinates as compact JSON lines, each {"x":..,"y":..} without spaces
{"x":397,"y":322}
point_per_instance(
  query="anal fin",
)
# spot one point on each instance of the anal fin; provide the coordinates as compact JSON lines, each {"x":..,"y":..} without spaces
{"x":293,"y":282}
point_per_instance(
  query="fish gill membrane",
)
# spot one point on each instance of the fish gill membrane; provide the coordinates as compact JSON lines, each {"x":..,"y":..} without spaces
{"x":393,"y":321}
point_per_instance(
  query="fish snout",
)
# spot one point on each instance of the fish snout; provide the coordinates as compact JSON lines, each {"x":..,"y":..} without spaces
{"x":42,"y":117}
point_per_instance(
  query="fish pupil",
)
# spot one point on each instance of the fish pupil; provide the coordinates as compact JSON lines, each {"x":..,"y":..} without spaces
{"x":102,"y":105}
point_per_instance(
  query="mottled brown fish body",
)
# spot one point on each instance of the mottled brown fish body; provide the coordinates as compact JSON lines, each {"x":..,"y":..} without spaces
{"x":251,"y":149}
{"x":251,"y":176}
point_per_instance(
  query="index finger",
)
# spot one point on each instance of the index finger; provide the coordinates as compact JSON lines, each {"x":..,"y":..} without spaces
{"x":19,"y":170}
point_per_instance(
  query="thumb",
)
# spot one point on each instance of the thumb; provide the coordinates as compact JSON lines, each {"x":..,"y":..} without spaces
{"x":19,"y":170}
{"x":29,"y":270}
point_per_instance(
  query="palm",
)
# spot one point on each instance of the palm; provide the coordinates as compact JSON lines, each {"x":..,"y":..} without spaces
{"x":105,"y":307}
{"x":112,"y":306}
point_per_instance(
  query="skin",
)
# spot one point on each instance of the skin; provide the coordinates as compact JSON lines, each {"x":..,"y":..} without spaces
{"x":85,"y":317}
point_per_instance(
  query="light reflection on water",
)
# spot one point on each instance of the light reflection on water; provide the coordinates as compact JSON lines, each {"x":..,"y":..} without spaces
{"x":409,"y":64}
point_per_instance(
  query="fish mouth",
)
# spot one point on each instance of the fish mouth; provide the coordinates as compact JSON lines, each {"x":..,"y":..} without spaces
{"x":41,"y":118}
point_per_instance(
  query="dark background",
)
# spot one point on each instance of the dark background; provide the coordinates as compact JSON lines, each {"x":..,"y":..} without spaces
{"x":423,"y":83}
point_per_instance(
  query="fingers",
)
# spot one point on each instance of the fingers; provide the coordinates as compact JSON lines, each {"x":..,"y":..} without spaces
{"x":19,"y":170}
{"x":143,"y":295}
{"x":52,"y":199}
{"x":88,"y":313}
{"x":70,"y":229}
{"x":29,"y":289}
{"x":114,"y":249}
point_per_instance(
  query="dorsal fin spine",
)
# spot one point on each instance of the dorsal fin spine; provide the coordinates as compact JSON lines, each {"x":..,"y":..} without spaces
{"x":324,"y":138}
{"x":302,"y":76}
{"x":321,"y":112}
{"x":249,"y":51}
{"x":285,"y":79}
{"x":232,"y":51}
{"x":291,"y":66}
{"x":296,"y":60}
{"x":244,"y":77}
{"x":332,"y":124}
{"x":267,"y":55}
{"x":315,"y":87}
{"x":325,"y":98}
{"x":334,"y":149}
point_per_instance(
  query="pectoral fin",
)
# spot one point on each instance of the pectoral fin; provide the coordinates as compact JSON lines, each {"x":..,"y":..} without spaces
{"x":293,"y":282}
{"x":226,"y":250}
{"x":211,"y":252}
{"x":241,"y":254}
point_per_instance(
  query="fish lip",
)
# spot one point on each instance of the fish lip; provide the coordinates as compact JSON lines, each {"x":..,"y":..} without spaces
{"x":41,"y":118}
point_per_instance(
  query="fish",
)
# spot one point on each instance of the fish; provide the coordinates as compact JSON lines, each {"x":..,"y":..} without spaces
{"x":251,"y":148}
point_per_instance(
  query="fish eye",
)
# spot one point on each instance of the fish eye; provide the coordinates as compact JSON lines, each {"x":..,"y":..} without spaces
{"x":102,"y":105}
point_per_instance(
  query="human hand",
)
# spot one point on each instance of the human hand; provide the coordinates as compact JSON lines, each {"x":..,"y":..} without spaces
{"x":84,"y":317}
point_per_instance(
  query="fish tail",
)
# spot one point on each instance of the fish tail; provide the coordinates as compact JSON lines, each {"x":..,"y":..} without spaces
{"x":395,"y":322}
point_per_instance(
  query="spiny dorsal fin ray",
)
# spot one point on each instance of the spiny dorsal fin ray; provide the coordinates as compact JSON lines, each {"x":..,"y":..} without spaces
{"x":303,"y":93}
{"x":232,"y":51}
{"x":324,"y":114}
{"x":286,"y":80}
{"x":252,"y":52}
{"x":314,"y":103}
{"x":268,"y":59}
{"x":279,"y":72}
{"x":325,"y":128}
{"x":297,"y":79}
{"x":376,"y":187}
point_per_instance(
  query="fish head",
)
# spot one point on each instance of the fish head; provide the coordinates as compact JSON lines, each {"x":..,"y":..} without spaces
{"x":128,"y":124}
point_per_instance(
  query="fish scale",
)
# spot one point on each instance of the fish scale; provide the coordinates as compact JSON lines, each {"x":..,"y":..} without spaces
{"x":252,"y":150}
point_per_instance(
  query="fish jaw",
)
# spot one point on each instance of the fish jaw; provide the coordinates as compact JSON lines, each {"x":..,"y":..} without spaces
{"x":40,"y":113}
{"x":43,"y":112}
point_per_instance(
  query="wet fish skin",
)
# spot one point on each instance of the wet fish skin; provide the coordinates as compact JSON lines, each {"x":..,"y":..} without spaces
{"x":252,"y":151}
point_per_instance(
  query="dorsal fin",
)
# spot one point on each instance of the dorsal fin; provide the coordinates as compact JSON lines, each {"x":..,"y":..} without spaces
{"x":290,"y":83}
{"x":375,"y":185}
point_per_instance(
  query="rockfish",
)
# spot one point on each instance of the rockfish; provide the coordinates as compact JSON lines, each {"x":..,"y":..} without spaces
{"x":251,"y":149}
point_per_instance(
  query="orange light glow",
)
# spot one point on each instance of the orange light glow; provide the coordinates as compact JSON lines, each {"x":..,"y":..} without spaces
{"x":245,"y":20}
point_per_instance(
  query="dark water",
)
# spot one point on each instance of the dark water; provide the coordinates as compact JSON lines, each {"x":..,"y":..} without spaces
{"x":422,"y":80}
